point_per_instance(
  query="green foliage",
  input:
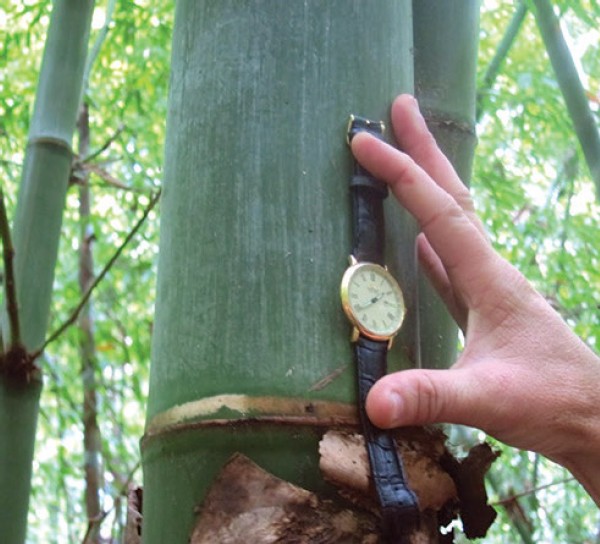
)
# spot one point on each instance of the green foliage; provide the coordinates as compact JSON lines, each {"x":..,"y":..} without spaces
{"x":530,"y":184}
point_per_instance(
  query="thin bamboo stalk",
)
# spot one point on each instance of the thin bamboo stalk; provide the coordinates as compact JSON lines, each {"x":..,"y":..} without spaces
{"x":499,"y":57}
{"x":571,"y":87}
{"x":92,"y":437}
{"x":36,"y":232}
{"x":87,"y":347}
{"x":47,"y":164}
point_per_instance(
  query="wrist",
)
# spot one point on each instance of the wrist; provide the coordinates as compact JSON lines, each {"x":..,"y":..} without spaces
{"x":586,"y":470}
{"x":582,"y":456}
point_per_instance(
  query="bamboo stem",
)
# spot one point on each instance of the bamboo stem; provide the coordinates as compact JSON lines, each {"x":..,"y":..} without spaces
{"x":501,"y":53}
{"x":47,"y":165}
{"x":97,"y":45}
{"x":445,"y":38}
{"x":92,"y":438}
{"x":570,"y":86}
{"x":36,"y":233}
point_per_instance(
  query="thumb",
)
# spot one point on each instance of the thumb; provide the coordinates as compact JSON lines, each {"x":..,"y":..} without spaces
{"x":420,"y":397}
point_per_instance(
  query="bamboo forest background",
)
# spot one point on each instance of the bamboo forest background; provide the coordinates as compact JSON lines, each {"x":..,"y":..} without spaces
{"x":530,"y":182}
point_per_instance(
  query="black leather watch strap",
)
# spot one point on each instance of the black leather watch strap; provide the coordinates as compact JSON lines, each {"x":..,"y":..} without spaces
{"x":400,"y":510}
{"x":399,"y":505}
{"x":367,"y":195}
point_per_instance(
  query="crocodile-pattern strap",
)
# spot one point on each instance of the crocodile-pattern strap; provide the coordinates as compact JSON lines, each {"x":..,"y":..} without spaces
{"x":400,"y":510}
{"x":367,"y":195}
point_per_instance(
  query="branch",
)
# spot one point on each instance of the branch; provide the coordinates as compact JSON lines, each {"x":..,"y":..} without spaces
{"x":8,"y":254}
{"x":507,"y":500}
{"x":521,"y":525}
{"x":105,"y":176}
{"x":104,"y":146}
{"x":97,"y":521}
{"x":75,"y":313}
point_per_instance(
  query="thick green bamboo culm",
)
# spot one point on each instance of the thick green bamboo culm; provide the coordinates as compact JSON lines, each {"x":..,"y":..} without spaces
{"x":445,"y":38}
{"x":571,"y":87}
{"x":36,"y":229}
{"x":493,"y":69}
{"x":255,"y":235}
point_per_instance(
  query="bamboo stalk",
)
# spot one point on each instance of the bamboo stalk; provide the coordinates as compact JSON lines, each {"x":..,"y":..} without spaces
{"x":255,"y":235}
{"x":37,"y":226}
{"x":571,"y":87}
{"x":92,"y":437}
{"x":97,"y":45}
{"x":445,"y":43}
{"x":446,"y":37}
{"x":87,"y":348}
{"x":47,"y":164}
{"x":501,"y":53}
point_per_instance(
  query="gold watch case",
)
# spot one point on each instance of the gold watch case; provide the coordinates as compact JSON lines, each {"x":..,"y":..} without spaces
{"x":372,"y":300}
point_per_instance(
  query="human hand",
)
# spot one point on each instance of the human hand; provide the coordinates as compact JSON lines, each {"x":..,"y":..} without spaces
{"x":524,"y":377}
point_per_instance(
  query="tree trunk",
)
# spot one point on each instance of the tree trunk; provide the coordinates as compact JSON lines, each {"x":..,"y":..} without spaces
{"x":251,"y":350}
{"x":37,"y":226}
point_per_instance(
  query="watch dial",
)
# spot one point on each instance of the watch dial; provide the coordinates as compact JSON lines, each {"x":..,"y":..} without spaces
{"x":375,"y":300}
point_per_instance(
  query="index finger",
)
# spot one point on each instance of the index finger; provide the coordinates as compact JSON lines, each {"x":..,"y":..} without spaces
{"x":462,"y":248}
{"x":414,"y":137}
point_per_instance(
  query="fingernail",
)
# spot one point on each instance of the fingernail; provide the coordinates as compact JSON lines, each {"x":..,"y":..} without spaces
{"x":415,"y":110}
{"x":395,"y":407}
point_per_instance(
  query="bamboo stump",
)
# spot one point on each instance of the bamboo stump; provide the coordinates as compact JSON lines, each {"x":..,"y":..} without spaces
{"x":247,"y":504}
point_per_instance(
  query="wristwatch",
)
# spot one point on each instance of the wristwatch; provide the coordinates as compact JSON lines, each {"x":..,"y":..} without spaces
{"x":373,"y":302}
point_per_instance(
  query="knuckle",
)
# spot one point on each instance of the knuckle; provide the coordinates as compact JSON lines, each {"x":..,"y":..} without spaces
{"x":449,"y":212}
{"x":463,"y":198}
{"x":404,"y":170}
{"x":427,"y":399}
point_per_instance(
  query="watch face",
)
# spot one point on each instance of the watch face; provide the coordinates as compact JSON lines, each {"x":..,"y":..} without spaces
{"x":372,"y":300}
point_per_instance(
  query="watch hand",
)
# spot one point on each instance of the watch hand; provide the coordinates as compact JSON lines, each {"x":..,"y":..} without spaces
{"x":370,"y":302}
